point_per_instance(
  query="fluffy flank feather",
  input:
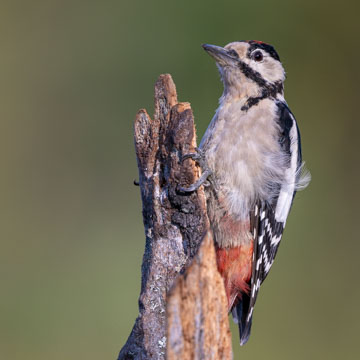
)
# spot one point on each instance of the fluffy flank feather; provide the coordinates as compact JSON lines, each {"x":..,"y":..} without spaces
{"x":303,"y":177}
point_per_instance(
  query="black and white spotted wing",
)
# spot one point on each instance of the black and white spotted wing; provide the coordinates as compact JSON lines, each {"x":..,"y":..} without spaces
{"x":267,"y":236}
{"x":268,"y":220}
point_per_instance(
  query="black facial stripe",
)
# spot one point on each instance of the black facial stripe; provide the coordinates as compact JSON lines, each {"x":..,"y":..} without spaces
{"x":251,"y":74}
{"x":268,"y":48}
{"x":268,"y":91}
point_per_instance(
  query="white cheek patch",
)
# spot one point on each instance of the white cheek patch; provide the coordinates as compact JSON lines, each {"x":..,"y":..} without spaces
{"x":270,"y":69}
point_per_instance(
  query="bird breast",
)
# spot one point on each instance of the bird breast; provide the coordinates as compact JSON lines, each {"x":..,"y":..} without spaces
{"x":243,"y":151}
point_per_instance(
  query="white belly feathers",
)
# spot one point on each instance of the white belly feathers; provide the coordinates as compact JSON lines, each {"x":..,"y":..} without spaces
{"x":247,"y":160}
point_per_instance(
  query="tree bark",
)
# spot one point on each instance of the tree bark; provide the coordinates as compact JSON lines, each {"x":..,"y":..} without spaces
{"x":175,"y":224}
{"x":197,"y":320}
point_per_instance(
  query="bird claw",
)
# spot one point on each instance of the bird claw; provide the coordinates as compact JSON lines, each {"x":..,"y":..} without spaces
{"x":203,"y":180}
{"x":194,"y":156}
{"x":199,"y":157}
{"x":206,"y":183}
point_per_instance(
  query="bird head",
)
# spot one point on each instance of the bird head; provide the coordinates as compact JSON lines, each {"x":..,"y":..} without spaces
{"x":248,"y":67}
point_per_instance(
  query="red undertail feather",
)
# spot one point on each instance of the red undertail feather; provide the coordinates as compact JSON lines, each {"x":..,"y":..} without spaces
{"x":235,"y":265}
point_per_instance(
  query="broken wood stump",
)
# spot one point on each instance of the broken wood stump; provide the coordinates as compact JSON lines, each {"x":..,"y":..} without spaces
{"x":182,"y":303}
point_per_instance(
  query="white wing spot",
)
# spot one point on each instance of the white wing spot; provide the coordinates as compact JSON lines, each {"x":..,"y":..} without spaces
{"x":260,"y":239}
{"x":287,"y":190}
{"x":258,"y":263}
{"x":275,"y":240}
{"x":250,"y":314}
{"x":267,"y":267}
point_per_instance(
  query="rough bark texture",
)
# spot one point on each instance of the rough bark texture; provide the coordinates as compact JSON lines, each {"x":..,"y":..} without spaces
{"x":174,"y":222}
{"x":197,"y":320}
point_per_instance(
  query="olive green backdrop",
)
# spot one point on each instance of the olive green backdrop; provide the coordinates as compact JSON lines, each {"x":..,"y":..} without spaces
{"x":72,"y":76}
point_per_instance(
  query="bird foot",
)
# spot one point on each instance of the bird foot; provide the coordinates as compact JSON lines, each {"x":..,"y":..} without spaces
{"x":199,"y":157}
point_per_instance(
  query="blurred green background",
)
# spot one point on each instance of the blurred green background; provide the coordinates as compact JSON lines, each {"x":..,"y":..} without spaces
{"x":72,"y":76}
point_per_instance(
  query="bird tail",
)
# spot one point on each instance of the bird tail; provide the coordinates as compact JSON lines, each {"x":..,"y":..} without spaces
{"x":243,"y":318}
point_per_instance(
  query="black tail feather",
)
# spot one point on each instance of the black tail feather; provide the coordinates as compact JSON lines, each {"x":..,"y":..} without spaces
{"x":241,"y":316}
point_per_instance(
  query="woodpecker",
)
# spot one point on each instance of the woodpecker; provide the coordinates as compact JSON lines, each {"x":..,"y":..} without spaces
{"x":251,"y":163}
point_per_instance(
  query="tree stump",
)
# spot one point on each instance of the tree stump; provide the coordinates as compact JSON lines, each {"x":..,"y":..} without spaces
{"x":182,"y":304}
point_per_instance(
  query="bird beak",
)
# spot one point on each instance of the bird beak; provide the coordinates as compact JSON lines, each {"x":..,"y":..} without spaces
{"x":221,"y":56}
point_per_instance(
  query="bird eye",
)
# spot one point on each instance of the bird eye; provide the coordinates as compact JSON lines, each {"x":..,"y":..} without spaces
{"x":257,"y":55}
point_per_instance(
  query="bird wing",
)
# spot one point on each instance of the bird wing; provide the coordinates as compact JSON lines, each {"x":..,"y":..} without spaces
{"x":268,"y":220}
